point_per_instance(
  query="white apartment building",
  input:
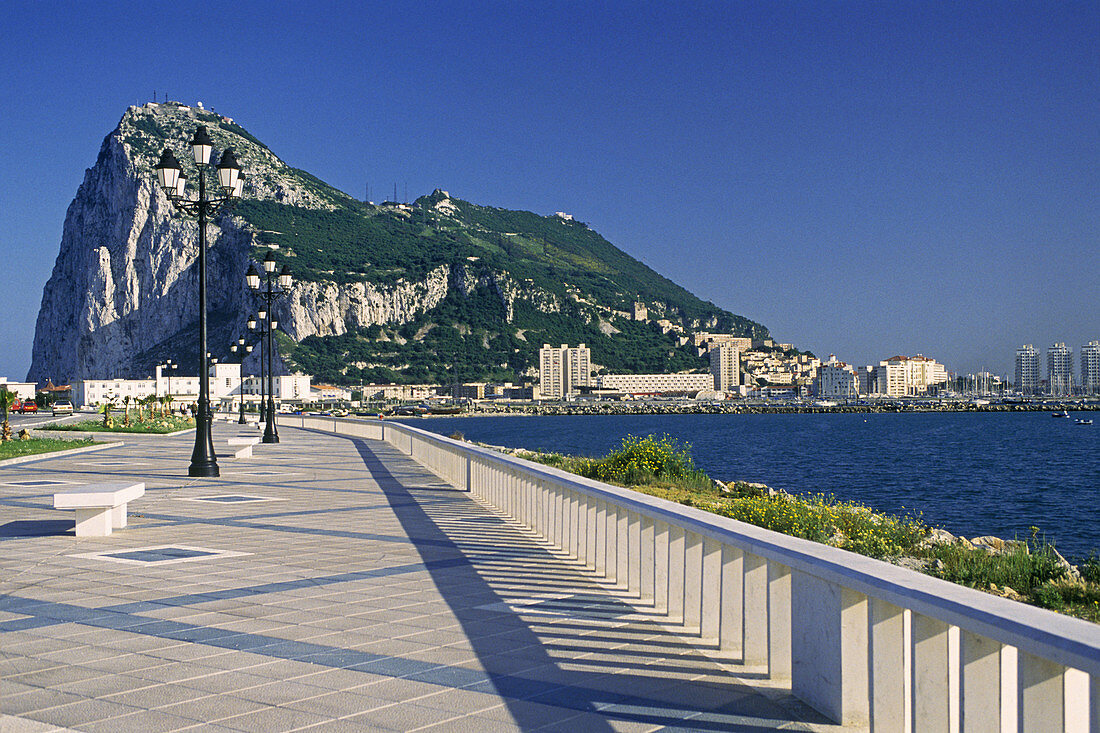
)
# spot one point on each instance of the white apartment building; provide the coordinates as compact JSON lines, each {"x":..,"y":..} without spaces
{"x":398,"y":391}
{"x":562,"y":370}
{"x":287,"y":387}
{"x":725,"y":367}
{"x":865,"y":380}
{"x":25,"y":390}
{"x":1027,"y":369}
{"x":655,"y":383}
{"x":1090,"y":368}
{"x":901,"y":376}
{"x":98,"y":391}
{"x":836,"y":379}
{"x":225,"y":384}
{"x":328,"y":393}
{"x":1060,"y":369}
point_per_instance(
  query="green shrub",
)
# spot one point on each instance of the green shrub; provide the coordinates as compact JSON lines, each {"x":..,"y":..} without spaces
{"x":1023,"y":568}
{"x":821,"y":518}
{"x":646,"y":460}
{"x":1090,"y":568}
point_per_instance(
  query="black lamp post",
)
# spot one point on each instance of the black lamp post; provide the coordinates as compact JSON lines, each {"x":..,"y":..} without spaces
{"x":167,"y":368}
{"x":255,"y":323}
{"x":230,"y":183}
{"x":240,"y":349}
{"x":276,"y":287}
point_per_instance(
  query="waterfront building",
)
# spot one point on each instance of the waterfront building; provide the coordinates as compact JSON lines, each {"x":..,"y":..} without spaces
{"x":1060,"y":369}
{"x":99,"y":391}
{"x":901,"y":376}
{"x":1027,"y":369}
{"x":406,"y":392}
{"x":319,"y":392}
{"x":653,"y":384}
{"x":562,"y":370}
{"x":227,"y":388}
{"x":725,"y":367}
{"x":865,"y":379}
{"x":1090,"y":368}
{"x":836,"y":379}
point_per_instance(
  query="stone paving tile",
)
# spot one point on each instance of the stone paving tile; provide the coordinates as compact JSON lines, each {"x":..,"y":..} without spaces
{"x":371,"y":597}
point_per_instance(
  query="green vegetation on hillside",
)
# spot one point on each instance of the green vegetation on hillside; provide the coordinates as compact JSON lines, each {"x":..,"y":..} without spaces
{"x":516,"y":279}
{"x":470,"y":337}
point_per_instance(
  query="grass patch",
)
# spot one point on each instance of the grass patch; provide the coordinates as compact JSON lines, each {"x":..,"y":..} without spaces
{"x":1030,"y":571}
{"x":33,"y":446}
{"x":157,"y":425}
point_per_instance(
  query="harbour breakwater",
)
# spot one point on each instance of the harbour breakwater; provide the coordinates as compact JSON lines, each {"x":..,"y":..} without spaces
{"x":744,"y":408}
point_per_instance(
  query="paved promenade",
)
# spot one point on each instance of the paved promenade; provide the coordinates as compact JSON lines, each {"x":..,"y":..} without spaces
{"x":328,"y":584}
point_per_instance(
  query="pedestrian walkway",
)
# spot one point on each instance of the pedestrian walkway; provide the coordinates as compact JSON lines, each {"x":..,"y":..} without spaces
{"x":329,"y":584}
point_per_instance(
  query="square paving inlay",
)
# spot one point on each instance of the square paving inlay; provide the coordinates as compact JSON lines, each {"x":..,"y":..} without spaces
{"x":43,"y":482}
{"x":160,"y":555}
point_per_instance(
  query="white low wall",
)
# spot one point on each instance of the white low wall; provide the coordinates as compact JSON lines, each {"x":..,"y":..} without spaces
{"x":863,"y":641}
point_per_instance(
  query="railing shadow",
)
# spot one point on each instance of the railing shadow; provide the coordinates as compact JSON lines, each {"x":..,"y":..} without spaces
{"x":652,"y":687}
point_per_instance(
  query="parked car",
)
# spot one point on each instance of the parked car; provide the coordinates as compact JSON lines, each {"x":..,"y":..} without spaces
{"x":27,"y":406}
{"x":62,"y":407}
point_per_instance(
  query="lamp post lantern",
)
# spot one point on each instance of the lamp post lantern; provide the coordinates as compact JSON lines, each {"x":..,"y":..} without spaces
{"x":174,"y":183}
{"x":276,"y":286}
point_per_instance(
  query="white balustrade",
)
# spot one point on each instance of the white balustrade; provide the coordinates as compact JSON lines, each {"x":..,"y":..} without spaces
{"x":863,"y":641}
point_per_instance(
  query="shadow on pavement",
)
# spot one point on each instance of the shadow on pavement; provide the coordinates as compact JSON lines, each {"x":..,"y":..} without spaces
{"x":518,"y":662}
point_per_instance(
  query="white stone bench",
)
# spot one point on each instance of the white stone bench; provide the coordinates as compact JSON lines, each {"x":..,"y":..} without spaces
{"x":100,"y":508}
{"x":246,"y":450}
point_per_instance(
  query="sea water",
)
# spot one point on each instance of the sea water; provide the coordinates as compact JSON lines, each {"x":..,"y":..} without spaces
{"x":973,"y":474}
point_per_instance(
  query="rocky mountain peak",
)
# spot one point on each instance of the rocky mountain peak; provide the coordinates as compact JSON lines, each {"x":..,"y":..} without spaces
{"x":393,"y":292}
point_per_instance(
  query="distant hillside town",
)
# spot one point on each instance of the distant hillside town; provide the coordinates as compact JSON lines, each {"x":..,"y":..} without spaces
{"x":739,"y":368}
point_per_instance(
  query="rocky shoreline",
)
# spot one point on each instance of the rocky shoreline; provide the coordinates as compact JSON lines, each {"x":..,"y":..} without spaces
{"x":991,"y":545}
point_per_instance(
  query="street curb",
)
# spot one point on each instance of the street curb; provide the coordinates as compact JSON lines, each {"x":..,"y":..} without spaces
{"x":58,"y":453}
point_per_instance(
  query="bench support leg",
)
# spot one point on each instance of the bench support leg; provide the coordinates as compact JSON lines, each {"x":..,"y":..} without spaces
{"x":118,"y":517}
{"x":93,"y":522}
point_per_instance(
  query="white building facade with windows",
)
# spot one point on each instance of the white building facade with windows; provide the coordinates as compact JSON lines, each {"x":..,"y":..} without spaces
{"x":227,"y":387}
{"x":907,"y":376}
{"x":1090,"y":368}
{"x":836,"y":379}
{"x":655,"y":383}
{"x":1027,"y":369}
{"x":725,"y":367}
{"x":1060,"y":369}
{"x":562,"y":370}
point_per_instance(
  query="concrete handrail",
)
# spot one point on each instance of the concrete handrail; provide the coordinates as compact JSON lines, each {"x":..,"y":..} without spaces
{"x":862,"y":640}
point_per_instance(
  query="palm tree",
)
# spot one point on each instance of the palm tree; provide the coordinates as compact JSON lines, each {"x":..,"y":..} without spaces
{"x":147,"y":401}
{"x":126,"y":408}
{"x":105,"y":408}
{"x":7,"y":399}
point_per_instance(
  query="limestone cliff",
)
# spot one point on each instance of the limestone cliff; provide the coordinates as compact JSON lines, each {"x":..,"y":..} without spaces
{"x":449,"y":282}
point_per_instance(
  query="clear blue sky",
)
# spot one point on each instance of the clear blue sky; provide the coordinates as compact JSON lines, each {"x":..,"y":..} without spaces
{"x":863,"y":178}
